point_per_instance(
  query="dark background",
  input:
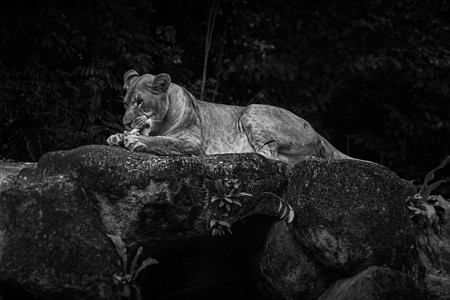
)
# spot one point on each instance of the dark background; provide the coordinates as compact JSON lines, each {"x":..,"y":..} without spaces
{"x":371,"y":76}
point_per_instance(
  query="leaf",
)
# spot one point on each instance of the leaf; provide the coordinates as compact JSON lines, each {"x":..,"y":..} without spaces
{"x":237,"y":203}
{"x":118,"y":279}
{"x":214,"y":198}
{"x":284,"y":213}
{"x":431,"y":187}
{"x":221,"y":203}
{"x":417,"y":210}
{"x":228,"y":207}
{"x":291,"y":215}
{"x":147,"y":262}
{"x":228,"y":200}
{"x":215,"y":231}
{"x":430,"y":175}
{"x":135,"y":260}
{"x":225,"y":223}
{"x":241,"y":194}
{"x":121,"y":249}
{"x":212,"y":223}
{"x":280,"y":207}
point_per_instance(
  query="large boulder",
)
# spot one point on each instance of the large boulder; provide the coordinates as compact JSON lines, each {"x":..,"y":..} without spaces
{"x":62,"y":211}
{"x":375,"y":283}
{"x":348,"y":215}
{"x":146,"y":199}
{"x":286,"y":269}
{"x":52,"y":242}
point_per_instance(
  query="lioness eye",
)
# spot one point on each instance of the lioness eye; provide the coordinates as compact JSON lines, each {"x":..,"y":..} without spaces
{"x":139,"y":101}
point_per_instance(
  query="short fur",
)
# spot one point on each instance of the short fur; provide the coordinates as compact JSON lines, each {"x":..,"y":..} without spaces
{"x":163,"y":118}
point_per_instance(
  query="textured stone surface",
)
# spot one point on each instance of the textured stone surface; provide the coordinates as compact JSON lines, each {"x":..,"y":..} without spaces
{"x":375,"y":283}
{"x":8,"y":171}
{"x":287,"y":271}
{"x":52,"y":242}
{"x":147,"y":199}
{"x":54,"y":219}
{"x":350,"y":214}
{"x":62,"y":211}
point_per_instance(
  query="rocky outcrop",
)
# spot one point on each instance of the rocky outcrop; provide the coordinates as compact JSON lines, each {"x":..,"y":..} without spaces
{"x":287,"y":270}
{"x":147,"y":199}
{"x":9,"y":171}
{"x":53,"y":243}
{"x":54,"y":221}
{"x":373,"y":284}
{"x":352,"y":213}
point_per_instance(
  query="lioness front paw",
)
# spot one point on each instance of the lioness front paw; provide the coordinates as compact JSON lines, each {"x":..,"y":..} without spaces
{"x":116,"y":140}
{"x":133,"y":143}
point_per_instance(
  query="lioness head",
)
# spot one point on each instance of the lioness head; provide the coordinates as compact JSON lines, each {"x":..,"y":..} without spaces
{"x":146,"y":102}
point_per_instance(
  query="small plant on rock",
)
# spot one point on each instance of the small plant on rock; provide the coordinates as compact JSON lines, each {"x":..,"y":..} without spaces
{"x":219,"y":227}
{"x":130,"y":272}
{"x":429,"y":214}
{"x":226,"y":193}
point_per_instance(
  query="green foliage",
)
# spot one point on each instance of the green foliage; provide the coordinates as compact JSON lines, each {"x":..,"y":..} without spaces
{"x":218,"y":227}
{"x":127,"y":279}
{"x":225,"y":192}
{"x":430,"y":213}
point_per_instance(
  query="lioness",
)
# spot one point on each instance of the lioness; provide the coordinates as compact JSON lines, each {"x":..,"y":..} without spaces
{"x":163,"y":118}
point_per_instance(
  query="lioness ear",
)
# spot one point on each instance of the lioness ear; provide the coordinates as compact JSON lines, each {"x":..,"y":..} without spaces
{"x":127,"y":77}
{"x":161,"y":82}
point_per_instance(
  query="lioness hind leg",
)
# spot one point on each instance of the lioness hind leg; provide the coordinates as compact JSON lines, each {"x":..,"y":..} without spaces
{"x":116,"y":140}
{"x":279,"y":134}
{"x":269,"y":150}
{"x":262,"y":142}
